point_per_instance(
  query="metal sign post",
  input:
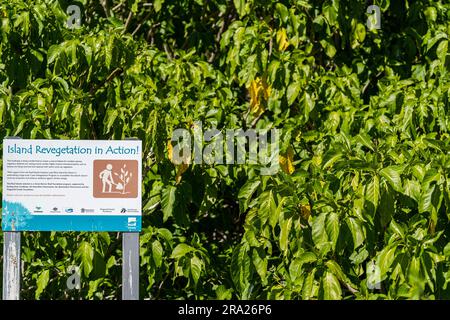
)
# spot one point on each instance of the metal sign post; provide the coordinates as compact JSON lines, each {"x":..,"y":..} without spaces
{"x":130,"y":264}
{"x":11,"y":265}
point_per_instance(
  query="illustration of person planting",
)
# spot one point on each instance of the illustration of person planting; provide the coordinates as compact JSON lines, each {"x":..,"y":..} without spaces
{"x":106,"y":177}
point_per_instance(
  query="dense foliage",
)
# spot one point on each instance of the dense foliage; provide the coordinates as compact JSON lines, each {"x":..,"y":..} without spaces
{"x":365,"y":153}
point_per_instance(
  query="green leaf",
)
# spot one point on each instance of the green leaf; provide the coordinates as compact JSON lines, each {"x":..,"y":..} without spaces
{"x":246,"y":193}
{"x":329,"y":48}
{"x":308,"y":285}
{"x":240,"y":7}
{"x":196,"y":268}
{"x":319,"y":234}
{"x":292,"y":92}
{"x":240,"y":268}
{"x":20,"y":127}
{"x":157,"y":252}
{"x":334,"y":268}
{"x":284,"y":234}
{"x":385,"y":259}
{"x":414,"y":270}
{"x":282,"y":12}
{"x":387,"y":205}
{"x":273,"y":69}
{"x":295,"y":269}
{"x":373,"y":191}
{"x":447,"y":250}
{"x":392,"y":175}
{"x":330,"y":158}
{"x":168,"y":202}
{"x":332,"y":228}
{"x":431,"y":13}
{"x":397,"y":228}
{"x":267,"y":207}
{"x":110,"y":119}
{"x":181,"y":250}
{"x":365,"y":140}
{"x":223,"y":293}
{"x":260,"y":262}
{"x":41,"y":283}
{"x":157,"y":4}
{"x":330,"y":14}
{"x":111,"y":262}
{"x":99,"y":266}
{"x":85,"y":253}
{"x":425,"y":200}
{"x":275,"y":214}
{"x":442,"y":50}
{"x":53,"y":52}
{"x":357,"y":232}
{"x":93,"y":287}
{"x":331,"y":287}
{"x":431,"y":42}
{"x":360,"y":32}
{"x":430,"y":176}
{"x":296,"y":265}
{"x":412,"y":189}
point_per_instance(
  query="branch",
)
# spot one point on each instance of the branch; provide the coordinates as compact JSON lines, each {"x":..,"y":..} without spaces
{"x":105,"y":6}
{"x":366,"y":85}
{"x":150,"y":38}
{"x":166,"y":49}
{"x":140,"y":24}
{"x":117,"y":6}
{"x":130,"y":15}
{"x":270,"y":45}
{"x":218,"y":37}
{"x":255,"y":121}
{"x":349,"y":288}
{"x":112,"y":75}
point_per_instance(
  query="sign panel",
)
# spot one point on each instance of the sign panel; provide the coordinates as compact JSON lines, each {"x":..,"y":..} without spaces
{"x":71,"y":185}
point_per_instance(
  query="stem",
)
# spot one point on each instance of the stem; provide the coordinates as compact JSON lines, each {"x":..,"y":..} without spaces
{"x":130,"y":15}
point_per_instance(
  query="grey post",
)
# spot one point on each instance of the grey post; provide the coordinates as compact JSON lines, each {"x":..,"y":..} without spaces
{"x":130,"y":264}
{"x":130,"y":267}
{"x":11,"y":263}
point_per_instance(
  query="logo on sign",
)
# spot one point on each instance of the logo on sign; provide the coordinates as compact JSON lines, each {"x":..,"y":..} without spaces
{"x":115,"y":179}
{"x":132,"y":222}
{"x":38,"y":210}
{"x":69,"y":210}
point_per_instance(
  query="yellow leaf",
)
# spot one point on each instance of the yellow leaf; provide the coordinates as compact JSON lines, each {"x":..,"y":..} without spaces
{"x":267,"y":90}
{"x":259,"y":94}
{"x":282,"y":40}
{"x":286,"y":161}
{"x":180,"y":170}
{"x":317,"y":160}
{"x":305,"y":211}
{"x":169,"y":150}
{"x":255,"y":87}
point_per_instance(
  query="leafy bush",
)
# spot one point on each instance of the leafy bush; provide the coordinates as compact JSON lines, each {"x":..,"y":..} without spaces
{"x":365,"y":152}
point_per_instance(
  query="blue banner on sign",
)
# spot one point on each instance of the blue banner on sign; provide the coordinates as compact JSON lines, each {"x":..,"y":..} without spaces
{"x":17,"y":218}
